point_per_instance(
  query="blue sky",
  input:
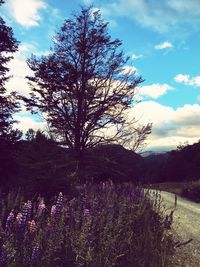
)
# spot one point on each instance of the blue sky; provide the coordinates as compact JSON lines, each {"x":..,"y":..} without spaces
{"x":161,"y":36}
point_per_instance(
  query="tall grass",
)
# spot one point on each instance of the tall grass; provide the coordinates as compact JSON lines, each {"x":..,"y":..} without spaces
{"x":104,"y":225}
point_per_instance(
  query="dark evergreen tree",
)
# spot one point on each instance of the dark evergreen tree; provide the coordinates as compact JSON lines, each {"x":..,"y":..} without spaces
{"x":82,"y":85}
{"x":8,"y":106}
{"x":30,"y":135}
{"x":8,"y":102}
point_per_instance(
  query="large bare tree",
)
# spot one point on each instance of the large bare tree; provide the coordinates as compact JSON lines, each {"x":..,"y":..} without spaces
{"x":82,"y":86}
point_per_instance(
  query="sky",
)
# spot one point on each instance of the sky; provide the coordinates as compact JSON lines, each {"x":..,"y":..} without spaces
{"x":162,"y":37}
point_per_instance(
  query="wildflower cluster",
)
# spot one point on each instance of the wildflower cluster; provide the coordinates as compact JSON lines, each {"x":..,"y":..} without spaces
{"x":105,"y":225}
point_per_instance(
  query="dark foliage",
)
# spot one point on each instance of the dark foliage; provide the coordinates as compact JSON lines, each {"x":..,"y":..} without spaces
{"x":155,"y":169}
{"x":40,"y":165}
{"x":8,"y":106}
{"x":178,"y":165}
{"x":192,"y":192}
{"x":113,"y":162}
{"x":184,"y":163}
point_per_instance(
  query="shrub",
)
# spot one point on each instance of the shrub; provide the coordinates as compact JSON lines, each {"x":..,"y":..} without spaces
{"x":104,"y":225}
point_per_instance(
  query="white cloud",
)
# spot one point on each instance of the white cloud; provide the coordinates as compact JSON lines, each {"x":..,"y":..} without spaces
{"x":187,"y":80}
{"x":170,"y":126}
{"x":27,"y":122}
{"x":19,"y":70}
{"x":163,"y":45}
{"x":135,"y":56}
{"x":26,"y":12}
{"x":161,"y":16}
{"x":181,"y":78}
{"x":154,"y":90}
{"x":106,"y":14}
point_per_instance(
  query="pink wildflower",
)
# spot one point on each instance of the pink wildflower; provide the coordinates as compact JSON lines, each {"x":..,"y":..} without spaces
{"x":53,"y":210}
{"x":32,"y":227}
{"x":19,"y":217}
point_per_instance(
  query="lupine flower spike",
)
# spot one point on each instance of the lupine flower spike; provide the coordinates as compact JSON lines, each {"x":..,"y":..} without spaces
{"x":59,"y":203}
{"x":34,"y":255}
{"x":10,"y":220}
{"x":29,"y":206}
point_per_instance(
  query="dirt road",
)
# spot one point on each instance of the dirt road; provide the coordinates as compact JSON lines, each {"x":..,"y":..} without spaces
{"x":186,"y":224}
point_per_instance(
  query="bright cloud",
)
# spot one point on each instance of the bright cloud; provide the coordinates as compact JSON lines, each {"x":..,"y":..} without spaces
{"x":163,"y":45}
{"x":160,"y":16}
{"x":26,"y":12}
{"x":187,"y":80}
{"x":154,"y":90}
{"x":27,"y":122}
{"x":135,"y":56}
{"x":170,"y":126}
{"x":19,"y":70}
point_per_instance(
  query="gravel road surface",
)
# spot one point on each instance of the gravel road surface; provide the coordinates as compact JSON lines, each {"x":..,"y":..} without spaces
{"x":186,"y":224}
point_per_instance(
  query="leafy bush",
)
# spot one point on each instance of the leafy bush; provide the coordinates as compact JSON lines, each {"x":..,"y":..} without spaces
{"x":192,"y":191}
{"x":104,"y":225}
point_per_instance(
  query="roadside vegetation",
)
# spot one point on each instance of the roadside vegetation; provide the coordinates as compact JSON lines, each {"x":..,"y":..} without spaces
{"x":103,"y":225}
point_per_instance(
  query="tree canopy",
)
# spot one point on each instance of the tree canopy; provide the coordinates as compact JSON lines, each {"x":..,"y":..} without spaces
{"x":8,"y":102}
{"x":82,"y":87}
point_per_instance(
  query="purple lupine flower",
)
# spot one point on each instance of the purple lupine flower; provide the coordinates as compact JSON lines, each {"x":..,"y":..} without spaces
{"x":59,"y":203}
{"x":34,"y":255}
{"x":25,"y":212}
{"x":29,"y":207}
{"x":3,"y":258}
{"x":10,"y":220}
